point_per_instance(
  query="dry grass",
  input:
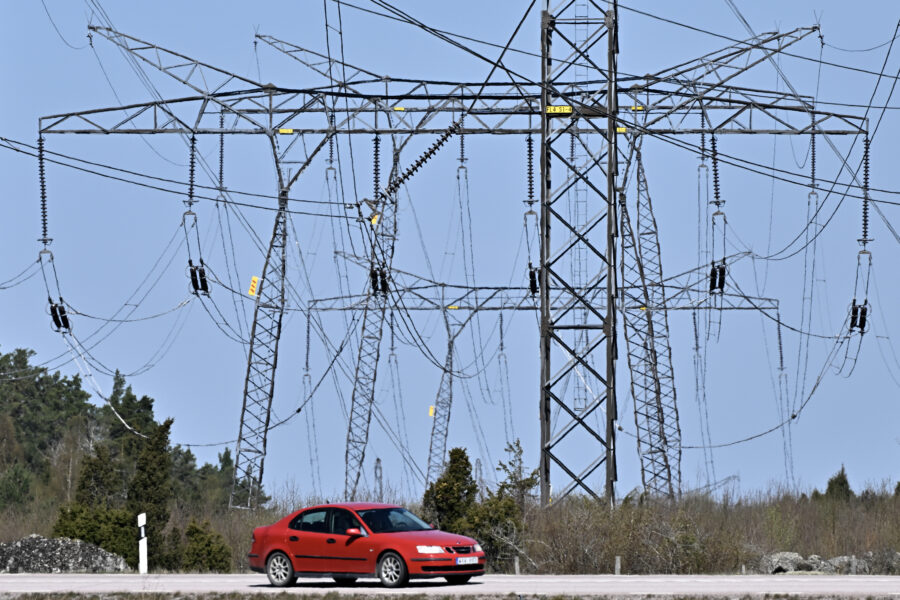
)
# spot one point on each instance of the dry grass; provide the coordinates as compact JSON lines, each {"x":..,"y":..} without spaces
{"x":705,"y":535}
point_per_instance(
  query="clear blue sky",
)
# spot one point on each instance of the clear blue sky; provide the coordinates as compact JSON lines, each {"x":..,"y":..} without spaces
{"x":107,"y":236}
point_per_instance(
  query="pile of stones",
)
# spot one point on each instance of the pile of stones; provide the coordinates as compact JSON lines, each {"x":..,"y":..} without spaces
{"x":37,"y":554}
{"x":871,"y":563}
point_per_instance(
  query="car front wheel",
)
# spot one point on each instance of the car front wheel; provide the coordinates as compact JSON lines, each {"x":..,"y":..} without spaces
{"x":280,"y":570}
{"x":392,"y":570}
{"x":458,"y":579}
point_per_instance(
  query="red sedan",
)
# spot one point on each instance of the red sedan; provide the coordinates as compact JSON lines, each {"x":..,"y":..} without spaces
{"x":348,"y":541}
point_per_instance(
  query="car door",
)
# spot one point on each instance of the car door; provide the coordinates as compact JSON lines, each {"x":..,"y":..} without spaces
{"x":308,"y":535}
{"x":351,"y":554}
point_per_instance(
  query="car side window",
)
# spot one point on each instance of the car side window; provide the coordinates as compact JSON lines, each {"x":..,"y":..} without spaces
{"x":342,"y":520}
{"x":311,"y":520}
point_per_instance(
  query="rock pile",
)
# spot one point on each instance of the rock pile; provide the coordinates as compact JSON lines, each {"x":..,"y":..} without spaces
{"x":871,"y":563}
{"x":37,"y":554}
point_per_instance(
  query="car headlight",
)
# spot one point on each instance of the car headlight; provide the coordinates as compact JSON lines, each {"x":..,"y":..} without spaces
{"x":429,"y":549}
{"x":477,"y":548}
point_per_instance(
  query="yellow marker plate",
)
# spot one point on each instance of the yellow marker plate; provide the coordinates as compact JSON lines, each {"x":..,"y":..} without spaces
{"x":637,"y":108}
{"x":254,"y":285}
{"x":621,"y":129}
{"x":399,"y":108}
{"x":285,"y":131}
{"x":453,"y":307}
{"x":374,"y":219}
{"x":431,"y":410}
{"x":559,"y":110}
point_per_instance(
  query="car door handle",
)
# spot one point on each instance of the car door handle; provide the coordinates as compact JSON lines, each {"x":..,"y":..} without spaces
{"x":331,"y":540}
{"x":293,"y":538}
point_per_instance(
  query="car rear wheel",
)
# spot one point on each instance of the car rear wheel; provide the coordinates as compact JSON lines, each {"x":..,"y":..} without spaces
{"x":280,"y":570}
{"x":458,"y":579}
{"x":392,"y":570}
{"x":344,"y":580}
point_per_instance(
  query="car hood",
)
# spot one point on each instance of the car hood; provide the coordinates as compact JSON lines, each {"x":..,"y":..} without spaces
{"x":435,"y":537}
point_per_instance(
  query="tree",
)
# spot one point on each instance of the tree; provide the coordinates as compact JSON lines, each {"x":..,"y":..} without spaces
{"x":516,"y":482}
{"x":498,"y":522}
{"x":39,"y":405}
{"x":15,"y":486}
{"x":839,"y":487}
{"x":125,"y":446}
{"x":449,"y":500}
{"x":151,"y":488}
{"x":99,"y":485}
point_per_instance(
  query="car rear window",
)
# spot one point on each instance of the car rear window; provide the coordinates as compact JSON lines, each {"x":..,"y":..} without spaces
{"x":311,"y":520}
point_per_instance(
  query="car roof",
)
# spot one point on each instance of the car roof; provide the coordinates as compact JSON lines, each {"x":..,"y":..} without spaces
{"x":356,"y":505}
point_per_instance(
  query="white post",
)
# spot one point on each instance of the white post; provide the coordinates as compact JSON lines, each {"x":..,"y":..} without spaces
{"x":142,"y":543}
{"x":618,"y":565}
{"x":516,"y":564}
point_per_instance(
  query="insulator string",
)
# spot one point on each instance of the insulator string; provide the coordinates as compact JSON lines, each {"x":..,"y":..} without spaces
{"x":715,"y":164}
{"x":43,"y":182}
{"x":191,"y":170}
{"x":221,"y":151}
{"x":865,"y":208}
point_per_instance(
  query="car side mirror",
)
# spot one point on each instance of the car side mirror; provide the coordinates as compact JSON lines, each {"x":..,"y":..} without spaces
{"x":432,"y":525}
{"x":354,"y":532}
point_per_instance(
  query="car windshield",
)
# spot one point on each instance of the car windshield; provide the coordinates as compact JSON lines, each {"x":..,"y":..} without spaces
{"x":390,"y":520}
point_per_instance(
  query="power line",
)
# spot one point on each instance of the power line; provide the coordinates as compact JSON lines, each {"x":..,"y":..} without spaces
{"x":11,"y":145}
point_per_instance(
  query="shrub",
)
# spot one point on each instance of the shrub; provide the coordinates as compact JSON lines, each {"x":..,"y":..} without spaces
{"x":206,"y":549}
{"x":113,"y":529}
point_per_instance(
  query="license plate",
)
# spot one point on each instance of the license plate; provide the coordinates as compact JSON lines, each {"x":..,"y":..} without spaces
{"x":467,"y":560}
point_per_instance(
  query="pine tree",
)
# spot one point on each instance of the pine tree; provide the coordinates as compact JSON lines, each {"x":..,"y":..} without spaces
{"x":839,"y":487}
{"x":98,"y":485}
{"x":151,"y":488}
{"x":449,"y":500}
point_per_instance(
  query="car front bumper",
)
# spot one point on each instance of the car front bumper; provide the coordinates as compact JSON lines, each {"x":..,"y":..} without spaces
{"x":439,"y":566}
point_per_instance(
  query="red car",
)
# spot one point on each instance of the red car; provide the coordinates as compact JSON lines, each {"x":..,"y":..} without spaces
{"x":358,"y":539}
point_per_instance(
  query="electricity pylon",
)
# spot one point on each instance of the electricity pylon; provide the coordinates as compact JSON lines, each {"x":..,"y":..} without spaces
{"x":587,"y":110}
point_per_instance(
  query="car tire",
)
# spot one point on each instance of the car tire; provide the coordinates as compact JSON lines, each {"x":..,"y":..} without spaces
{"x":458,"y":579}
{"x":340,"y":580}
{"x":279,"y":570}
{"x":392,"y":570}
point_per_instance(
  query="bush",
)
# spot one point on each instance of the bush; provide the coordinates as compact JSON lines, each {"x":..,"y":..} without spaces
{"x":206,"y":549}
{"x":113,"y":529}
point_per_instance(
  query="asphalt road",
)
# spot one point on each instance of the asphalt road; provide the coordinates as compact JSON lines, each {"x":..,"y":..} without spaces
{"x":526,"y":585}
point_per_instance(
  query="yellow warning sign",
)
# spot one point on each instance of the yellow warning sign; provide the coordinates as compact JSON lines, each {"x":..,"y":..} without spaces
{"x":374,"y":219}
{"x":559,"y":110}
{"x":621,"y":129}
{"x":285,"y":131}
{"x":431,"y":410}
{"x":254,"y":284}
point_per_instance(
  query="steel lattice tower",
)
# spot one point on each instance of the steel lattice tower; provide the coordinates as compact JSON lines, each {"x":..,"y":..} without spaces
{"x":578,"y":442}
{"x":649,"y":353}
